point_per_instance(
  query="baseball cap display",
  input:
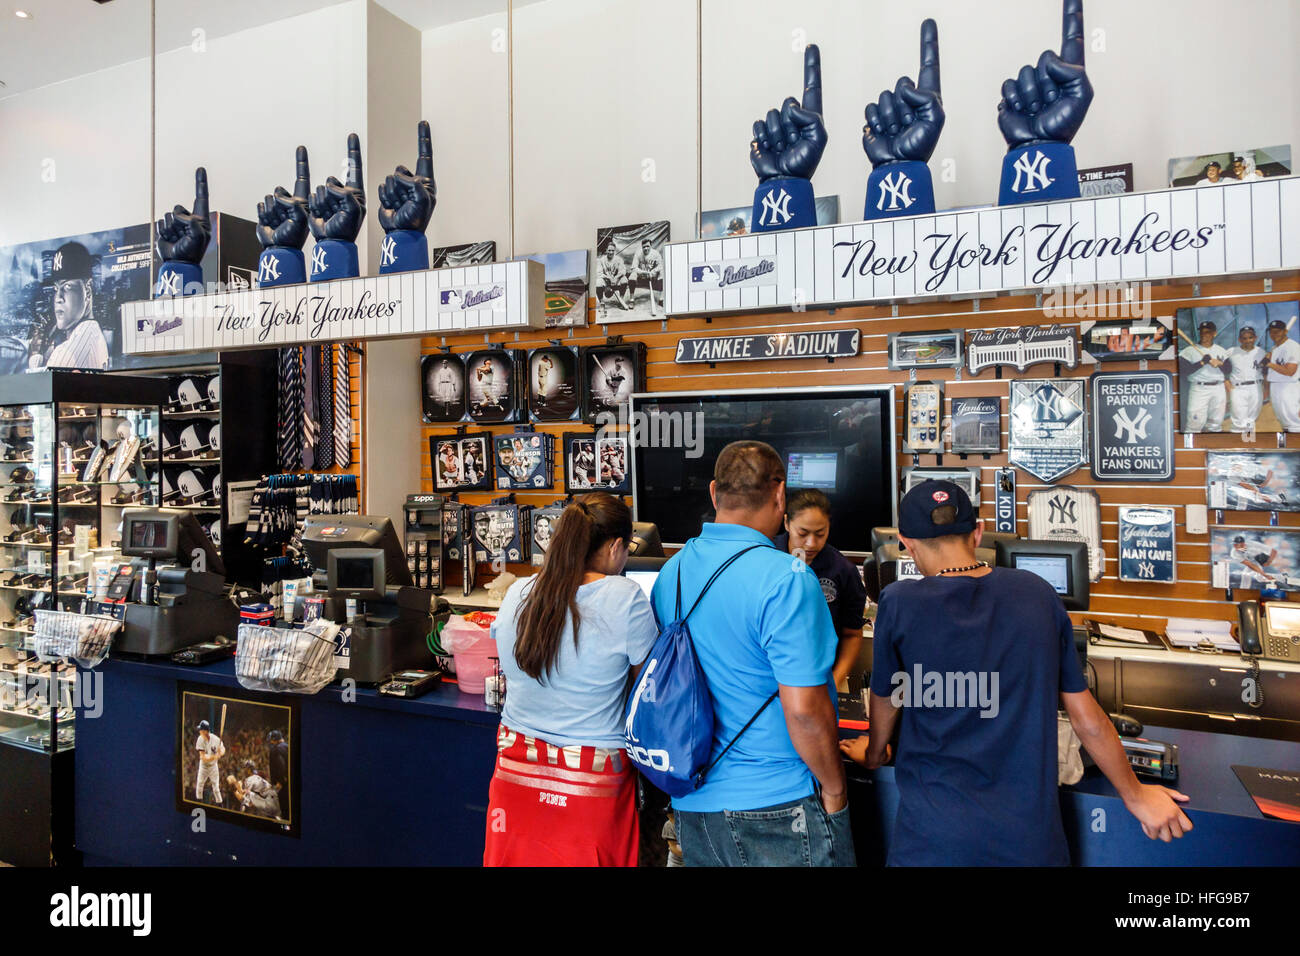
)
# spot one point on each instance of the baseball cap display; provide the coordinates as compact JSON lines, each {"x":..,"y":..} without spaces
{"x":916,"y":513}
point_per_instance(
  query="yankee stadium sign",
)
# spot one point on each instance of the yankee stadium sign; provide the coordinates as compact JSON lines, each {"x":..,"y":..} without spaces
{"x":1226,"y":230}
{"x":745,"y":348}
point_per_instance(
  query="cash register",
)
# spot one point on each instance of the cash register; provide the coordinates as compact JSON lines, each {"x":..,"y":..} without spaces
{"x":361,"y":567}
{"x":180,"y":603}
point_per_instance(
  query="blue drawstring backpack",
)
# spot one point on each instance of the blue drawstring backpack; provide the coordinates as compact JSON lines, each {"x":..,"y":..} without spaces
{"x":668,"y":722}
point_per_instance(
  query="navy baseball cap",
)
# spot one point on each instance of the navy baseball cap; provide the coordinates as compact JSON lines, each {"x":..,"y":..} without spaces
{"x":1277,"y":324}
{"x":915,"y":514}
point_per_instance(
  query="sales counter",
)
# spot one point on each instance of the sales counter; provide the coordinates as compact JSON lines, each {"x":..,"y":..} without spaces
{"x":386,"y":781}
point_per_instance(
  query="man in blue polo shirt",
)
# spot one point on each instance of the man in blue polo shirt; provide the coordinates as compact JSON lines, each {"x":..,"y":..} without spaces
{"x":977,"y":660}
{"x":779,"y":796}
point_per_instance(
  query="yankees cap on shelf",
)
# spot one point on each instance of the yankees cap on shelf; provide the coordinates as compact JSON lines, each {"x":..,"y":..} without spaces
{"x":916,"y":512}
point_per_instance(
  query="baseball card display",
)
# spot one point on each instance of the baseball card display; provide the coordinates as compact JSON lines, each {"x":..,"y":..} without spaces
{"x":630,"y":271}
{"x":453,"y":525}
{"x":1253,"y":480}
{"x":524,"y":460}
{"x":1065,"y":513}
{"x":496,"y":533}
{"x":1146,"y":545}
{"x":610,"y":374}
{"x":465,"y":254}
{"x":1132,"y":426}
{"x":461,"y":462}
{"x":1046,"y":426}
{"x":1231,"y":166}
{"x":566,"y":286}
{"x":977,"y":425}
{"x":1127,"y":340}
{"x":1255,"y":558}
{"x":442,"y":378}
{"x":596,"y":462}
{"x":1239,"y":368}
{"x":542,"y":528}
{"x":922,"y":414}
{"x":968,"y":479}
{"x":553,"y":385}
{"x":494,"y":387}
{"x":237,"y":758}
{"x":925,"y":349}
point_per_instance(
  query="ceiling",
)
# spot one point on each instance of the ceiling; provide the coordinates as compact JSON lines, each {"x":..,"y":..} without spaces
{"x":67,"y":38}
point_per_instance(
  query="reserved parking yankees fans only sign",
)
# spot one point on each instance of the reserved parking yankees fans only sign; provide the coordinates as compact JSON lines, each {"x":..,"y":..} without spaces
{"x":1132,"y":426}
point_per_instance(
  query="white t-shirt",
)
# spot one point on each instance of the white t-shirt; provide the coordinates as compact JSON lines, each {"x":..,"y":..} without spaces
{"x":1244,"y":370}
{"x":1204,"y":374}
{"x":1288,"y":353}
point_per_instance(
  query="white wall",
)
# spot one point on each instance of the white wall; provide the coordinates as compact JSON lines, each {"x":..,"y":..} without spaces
{"x":603,"y":85}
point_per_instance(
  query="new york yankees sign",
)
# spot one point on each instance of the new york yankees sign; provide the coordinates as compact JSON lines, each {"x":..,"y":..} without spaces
{"x":1132,"y":426}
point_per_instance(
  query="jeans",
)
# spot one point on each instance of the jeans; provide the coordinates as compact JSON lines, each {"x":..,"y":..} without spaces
{"x":799,"y":833}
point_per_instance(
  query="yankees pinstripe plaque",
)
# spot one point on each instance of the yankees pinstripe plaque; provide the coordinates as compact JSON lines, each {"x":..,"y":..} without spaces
{"x":1022,"y":347}
{"x":1251,"y":227}
{"x":1132,"y":426}
{"x":1046,"y":432}
{"x":502,"y":295}
{"x":836,"y":343}
{"x":1069,"y":514}
{"x":1146,"y":545}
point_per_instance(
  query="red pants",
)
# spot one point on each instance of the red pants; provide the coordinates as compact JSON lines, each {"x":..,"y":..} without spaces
{"x":560,"y":806}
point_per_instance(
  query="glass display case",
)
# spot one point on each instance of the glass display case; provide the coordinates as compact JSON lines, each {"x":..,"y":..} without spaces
{"x":75,"y":449}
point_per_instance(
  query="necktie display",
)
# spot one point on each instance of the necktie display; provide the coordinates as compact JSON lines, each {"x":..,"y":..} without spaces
{"x":310,"y":424}
{"x":288,"y":442}
{"x":342,"y":408}
{"x":324,"y":366}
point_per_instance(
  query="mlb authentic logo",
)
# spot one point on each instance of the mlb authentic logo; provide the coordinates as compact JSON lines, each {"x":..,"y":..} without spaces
{"x":752,"y":271}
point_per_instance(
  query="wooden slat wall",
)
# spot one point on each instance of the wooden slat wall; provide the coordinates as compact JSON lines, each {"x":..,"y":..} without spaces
{"x":1124,"y":602}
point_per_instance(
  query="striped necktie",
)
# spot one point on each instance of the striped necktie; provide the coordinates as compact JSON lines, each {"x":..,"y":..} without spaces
{"x":325,"y":406}
{"x":289,"y":446}
{"x":310,"y":424}
{"x":342,"y":409}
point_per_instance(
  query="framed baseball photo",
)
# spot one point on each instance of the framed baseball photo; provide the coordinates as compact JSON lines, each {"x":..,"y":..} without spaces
{"x":630,"y":271}
{"x":1242,"y":480}
{"x":1239,"y":368}
{"x":1254,"y":558}
{"x":496,"y":533}
{"x":442,"y":379}
{"x":1127,"y":340}
{"x":461,"y":462}
{"x":976,"y":425}
{"x":553,"y":384}
{"x":523,"y":460}
{"x":925,"y":349}
{"x":566,"y":286}
{"x":610,"y":375}
{"x":465,"y":254}
{"x":596,"y":462}
{"x":494,"y":384}
{"x":237,"y":757}
{"x":541,"y":529}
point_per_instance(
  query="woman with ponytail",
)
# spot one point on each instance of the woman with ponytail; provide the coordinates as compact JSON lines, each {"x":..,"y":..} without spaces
{"x":564,"y":792}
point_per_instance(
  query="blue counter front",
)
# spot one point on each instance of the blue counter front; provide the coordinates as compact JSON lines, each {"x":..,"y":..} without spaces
{"x":384,"y":781}
{"x":392,"y":782}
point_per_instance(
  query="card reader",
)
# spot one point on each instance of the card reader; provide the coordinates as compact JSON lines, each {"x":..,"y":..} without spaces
{"x":410,"y":683}
{"x":1152,"y":758}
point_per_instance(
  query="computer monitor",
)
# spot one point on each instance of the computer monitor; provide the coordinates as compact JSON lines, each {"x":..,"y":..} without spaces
{"x":168,"y":534}
{"x":645,"y":579}
{"x":324,"y":533}
{"x":357,"y":573}
{"x":1062,"y":564}
{"x":819,"y":470}
{"x":645,"y":540}
{"x":639,"y":563}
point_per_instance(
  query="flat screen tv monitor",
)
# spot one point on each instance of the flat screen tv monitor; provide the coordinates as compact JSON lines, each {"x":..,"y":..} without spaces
{"x":1062,"y":564}
{"x":839,"y":440}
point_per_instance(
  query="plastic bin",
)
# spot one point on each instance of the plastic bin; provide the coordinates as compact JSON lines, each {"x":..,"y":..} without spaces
{"x":472,"y":649}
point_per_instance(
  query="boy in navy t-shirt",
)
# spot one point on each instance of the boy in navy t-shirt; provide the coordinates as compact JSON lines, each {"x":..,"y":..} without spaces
{"x":976,"y":661}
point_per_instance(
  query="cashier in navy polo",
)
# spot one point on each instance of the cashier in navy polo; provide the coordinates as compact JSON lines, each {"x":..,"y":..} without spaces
{"x":1206,"y":402}
{"x":76,"y":340}
{"x":807,"y":528}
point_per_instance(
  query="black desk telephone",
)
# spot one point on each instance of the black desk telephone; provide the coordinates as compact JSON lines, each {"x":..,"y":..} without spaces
{"x":1271,"y":633}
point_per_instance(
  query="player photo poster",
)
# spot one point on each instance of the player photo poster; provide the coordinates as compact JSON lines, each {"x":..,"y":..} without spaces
{"x":566,"y":286}
{"x":1132,"y":426}
{"x":496,"y":533}
{"x":721,"y":223}
{"x":1253,"y":480}
{"x":461,"y":462}
{"x":466,"y":254}
{"x":1065,"y":513}
{"x":596,"y":462}
{"x":1146,"y":545}
{"x":1255,"y":558}
{"x":442,"y":378}
{"x":493,"y":392}
{"x":553,"y":384}
{"x":630,"y":272}
{"x":610,"y":374}
{"x":1239,"y":368}
{"x":1232,"y":166}
{"x":237,"y":758}
{"x":1047,"y":429}
{"x":523,"y":461}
